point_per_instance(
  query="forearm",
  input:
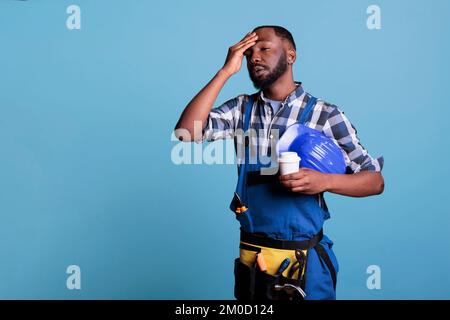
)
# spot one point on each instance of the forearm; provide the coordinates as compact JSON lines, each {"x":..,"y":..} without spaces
{"x":361,"y":184}
{"x":196,"y":112}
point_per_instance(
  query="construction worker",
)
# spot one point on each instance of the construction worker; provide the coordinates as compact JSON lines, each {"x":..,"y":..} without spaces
{"x":283,"y":251}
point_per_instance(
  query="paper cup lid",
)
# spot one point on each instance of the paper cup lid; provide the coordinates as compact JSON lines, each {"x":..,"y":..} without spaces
{"x":289,"y":157}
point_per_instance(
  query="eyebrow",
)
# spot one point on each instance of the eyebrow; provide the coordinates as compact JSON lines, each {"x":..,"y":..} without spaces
{"x":258,"y":41}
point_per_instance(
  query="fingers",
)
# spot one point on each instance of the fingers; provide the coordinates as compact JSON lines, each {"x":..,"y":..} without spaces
{"x":247,"y":36}
{"x":302,"y":189}
{"x":245,"y":42}
{"x":293,"y":176}
{"x":244,"y":46}
{"x":248,"y":45}
{"x":291,"y":184}
{"x":300,"y":186}
{"x":305,"y":181}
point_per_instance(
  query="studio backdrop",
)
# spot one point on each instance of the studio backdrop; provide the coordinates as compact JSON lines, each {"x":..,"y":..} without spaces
{"x":95,"y":202}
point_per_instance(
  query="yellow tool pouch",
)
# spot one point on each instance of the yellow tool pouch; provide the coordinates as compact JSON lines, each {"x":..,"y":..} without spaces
{"x":273,"y":259}
{"x":274,"y":279}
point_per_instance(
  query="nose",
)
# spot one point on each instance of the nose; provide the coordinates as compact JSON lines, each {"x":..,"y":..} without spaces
{"x":255,"y":58}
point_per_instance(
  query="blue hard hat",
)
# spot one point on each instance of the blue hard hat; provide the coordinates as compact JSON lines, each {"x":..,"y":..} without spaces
{"x":316,"y":150}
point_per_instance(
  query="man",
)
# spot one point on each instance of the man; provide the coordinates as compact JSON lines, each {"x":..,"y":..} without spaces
{"x":280,"y":220}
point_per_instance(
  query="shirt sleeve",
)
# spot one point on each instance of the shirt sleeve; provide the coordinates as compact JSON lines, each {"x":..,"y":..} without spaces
{"x":357,"y":159}
{"x":221,"y":121}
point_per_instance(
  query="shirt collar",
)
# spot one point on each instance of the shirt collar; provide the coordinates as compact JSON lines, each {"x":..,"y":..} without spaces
{"x":265,"y":99}
{"x":294,"y":95}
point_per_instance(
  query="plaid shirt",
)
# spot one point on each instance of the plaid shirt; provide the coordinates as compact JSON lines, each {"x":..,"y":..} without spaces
{"x":225,"y":120}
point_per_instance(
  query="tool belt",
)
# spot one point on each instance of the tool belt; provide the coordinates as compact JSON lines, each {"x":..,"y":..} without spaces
{"x":262,"y":271}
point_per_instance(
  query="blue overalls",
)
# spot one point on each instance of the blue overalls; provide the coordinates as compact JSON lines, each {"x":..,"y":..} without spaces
{"x":273,"y":211}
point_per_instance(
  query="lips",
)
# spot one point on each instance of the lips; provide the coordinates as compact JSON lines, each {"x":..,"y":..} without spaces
{"x":258,"y":70}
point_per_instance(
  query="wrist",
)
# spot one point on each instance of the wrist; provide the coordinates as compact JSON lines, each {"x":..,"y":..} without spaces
{"x":223,"y":72}
{"x":329,"y":182}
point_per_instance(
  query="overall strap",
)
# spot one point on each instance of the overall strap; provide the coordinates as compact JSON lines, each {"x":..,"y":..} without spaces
{"x":243,"y":167}
{"x":248,"y":112}
{"x":326,"y":258}
{"x":309,"y":106}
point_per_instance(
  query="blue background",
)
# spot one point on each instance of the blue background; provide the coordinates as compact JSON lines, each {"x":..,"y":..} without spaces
{"x":86,"y":118}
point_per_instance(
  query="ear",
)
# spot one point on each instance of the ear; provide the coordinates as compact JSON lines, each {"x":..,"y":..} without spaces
{"x":291,"y":56}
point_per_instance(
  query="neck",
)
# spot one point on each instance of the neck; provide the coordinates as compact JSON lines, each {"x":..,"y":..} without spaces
{"x":281,"y":88}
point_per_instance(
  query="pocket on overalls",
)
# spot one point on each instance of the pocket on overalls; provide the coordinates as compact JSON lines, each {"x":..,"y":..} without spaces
{"x":242,"y":213}
{"x":245,"y":219}
{"x":264,"y":286}
{"x":244,"y":281}
{"x":253,"y":284}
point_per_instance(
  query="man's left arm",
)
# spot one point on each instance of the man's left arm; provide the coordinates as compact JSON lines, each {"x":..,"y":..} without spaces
{"x":360,"y":184}
{"x":363,"y":176}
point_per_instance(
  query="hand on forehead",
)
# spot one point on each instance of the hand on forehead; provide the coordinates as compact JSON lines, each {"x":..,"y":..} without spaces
{"x":269,"y":35}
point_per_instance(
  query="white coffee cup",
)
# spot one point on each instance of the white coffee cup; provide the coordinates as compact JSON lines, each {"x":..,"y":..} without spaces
{"x":289,"y":162}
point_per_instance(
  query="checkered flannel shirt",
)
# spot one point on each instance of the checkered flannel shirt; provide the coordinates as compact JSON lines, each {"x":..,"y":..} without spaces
{"x":223,"y":122}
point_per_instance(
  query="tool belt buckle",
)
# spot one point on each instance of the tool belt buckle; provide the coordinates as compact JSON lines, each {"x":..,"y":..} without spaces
{"x":293,"y":290}
{"x":290,"y":290}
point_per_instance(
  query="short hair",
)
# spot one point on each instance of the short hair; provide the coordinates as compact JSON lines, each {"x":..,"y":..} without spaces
{"x":280,"y":32}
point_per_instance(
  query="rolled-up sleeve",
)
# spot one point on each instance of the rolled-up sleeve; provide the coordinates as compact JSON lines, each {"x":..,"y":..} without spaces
{"x":357,"y":158}
{"x":221,"y":120}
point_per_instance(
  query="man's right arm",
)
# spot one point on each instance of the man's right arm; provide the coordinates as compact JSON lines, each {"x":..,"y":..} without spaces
{"x":193,"y":119}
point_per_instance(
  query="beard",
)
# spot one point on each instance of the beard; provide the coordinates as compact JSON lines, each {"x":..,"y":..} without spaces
{"x":263,"y":82}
